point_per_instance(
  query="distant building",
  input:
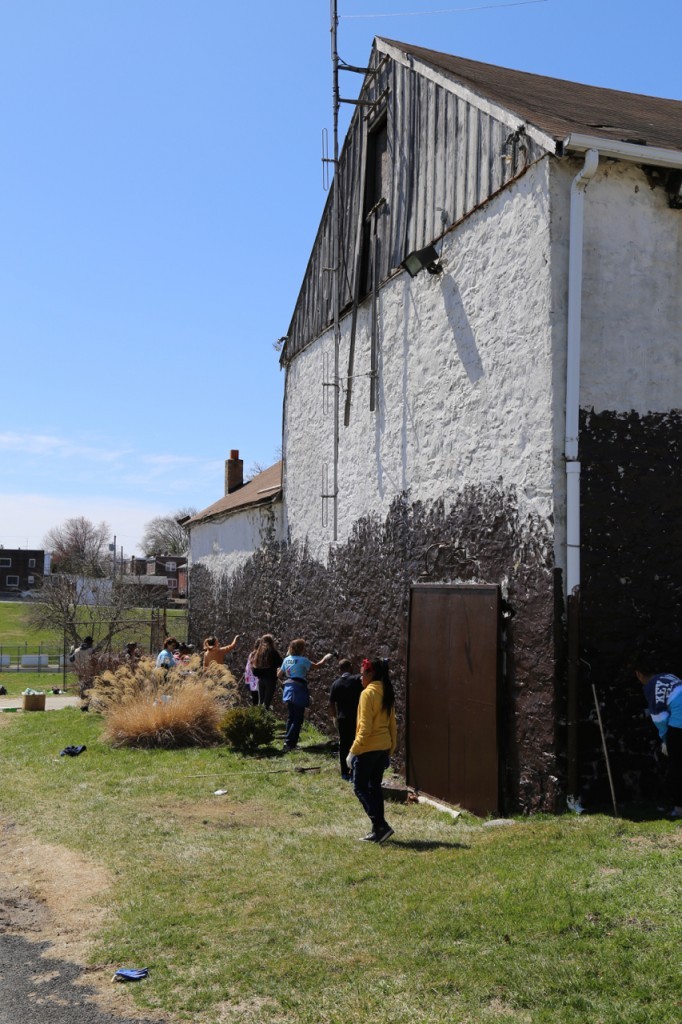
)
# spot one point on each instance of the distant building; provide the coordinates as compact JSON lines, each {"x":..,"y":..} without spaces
{"x":173,"y":567}
{"x":21,"y":569}
{"x":225,"y":535}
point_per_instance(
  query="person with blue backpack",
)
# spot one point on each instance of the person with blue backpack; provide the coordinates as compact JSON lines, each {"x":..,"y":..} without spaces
{"x":663,"y":694}
{"x":294,"y":673}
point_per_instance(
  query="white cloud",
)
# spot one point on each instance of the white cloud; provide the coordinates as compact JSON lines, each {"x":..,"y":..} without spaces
{"x":49,"y":446}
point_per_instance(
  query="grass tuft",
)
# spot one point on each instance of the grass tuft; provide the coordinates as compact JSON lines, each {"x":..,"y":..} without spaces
{"x":148,"y":707}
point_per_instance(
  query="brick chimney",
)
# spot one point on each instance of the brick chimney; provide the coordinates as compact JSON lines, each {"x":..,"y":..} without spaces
{"x":234,"y":472}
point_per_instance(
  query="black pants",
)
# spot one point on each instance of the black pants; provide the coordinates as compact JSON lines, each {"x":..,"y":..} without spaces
{"x":266,"y":691}
{"x":673,"y":741}
{"x":368,"y":771}
{"x":346,"y":736}
{"x":253,"y":694}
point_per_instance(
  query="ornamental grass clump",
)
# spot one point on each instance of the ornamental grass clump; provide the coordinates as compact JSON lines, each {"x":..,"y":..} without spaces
{"x":145,"y":706}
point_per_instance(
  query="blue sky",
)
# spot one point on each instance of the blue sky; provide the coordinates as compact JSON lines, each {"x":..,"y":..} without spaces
{"x":160,"y":190}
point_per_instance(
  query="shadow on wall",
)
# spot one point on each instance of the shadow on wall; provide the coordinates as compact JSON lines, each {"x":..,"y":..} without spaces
{"x":461,"y":330}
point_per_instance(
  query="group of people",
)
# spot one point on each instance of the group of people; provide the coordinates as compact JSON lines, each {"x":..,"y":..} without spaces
{"x":172,"y":653}
{"x":363,"y":710}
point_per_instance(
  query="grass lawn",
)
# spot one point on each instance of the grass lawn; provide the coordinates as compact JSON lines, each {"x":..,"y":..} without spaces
{"x":262,"y":906}
{"x":16,"y":682}
{"x":15,"y":629}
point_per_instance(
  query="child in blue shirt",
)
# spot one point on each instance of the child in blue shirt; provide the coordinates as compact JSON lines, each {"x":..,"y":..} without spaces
{"x":294,"y":673}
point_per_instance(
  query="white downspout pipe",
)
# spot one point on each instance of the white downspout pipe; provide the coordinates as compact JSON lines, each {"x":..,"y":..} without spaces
{"x":575,"y":287}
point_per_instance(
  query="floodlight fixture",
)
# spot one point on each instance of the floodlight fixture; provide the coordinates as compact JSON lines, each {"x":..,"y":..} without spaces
{"x":422,"y":259}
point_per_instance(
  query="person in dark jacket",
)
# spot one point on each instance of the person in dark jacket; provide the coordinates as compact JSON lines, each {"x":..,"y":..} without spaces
{"x":265,"y":660}
{"x":344,"y":698}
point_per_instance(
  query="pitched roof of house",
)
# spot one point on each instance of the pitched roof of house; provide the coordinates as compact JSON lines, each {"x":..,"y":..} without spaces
{"x":264,"y":488}
{"x":558,"y":107}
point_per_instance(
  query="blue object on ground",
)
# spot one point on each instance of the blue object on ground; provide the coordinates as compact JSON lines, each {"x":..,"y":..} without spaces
{"x":130,"y":974}
{"x":72,"y":751}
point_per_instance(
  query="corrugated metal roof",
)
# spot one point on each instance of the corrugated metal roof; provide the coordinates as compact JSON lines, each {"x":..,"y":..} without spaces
{"x":558,"y":107}
{"x":263,"y":488}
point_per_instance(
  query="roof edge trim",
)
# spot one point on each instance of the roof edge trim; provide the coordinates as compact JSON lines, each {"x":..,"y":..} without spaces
{"x":502,"y":114}
{"x":270,"y":499}
{"x":629,"y":151}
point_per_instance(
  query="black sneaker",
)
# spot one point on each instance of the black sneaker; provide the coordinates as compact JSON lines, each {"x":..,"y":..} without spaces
{"x":371,"y":837}
{"x":384,"y":835}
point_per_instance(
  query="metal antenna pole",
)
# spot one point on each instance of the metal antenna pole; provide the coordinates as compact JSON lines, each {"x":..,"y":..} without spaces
{"x":336,"y":255}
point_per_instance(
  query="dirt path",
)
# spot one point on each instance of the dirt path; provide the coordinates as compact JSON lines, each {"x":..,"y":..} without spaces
{"x":49,"y":916}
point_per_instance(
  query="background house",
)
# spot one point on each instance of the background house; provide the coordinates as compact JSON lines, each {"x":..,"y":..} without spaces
{"x":509,"y":439}
{"x":21,"y":569}
{"x":246,"y":522}
{"x":173,"y":567}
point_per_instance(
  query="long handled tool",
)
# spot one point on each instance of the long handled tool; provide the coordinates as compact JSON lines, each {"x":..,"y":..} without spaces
{"x":606,"y":753}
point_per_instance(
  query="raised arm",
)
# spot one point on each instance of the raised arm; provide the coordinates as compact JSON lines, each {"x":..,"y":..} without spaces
{"x":322,"y":661}
{"x":231,"y":647}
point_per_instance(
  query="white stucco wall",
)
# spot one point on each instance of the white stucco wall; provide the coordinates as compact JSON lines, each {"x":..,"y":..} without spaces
{"x":632,"y":306}
{"x":464,"y":384}
{"x":631,"y":326}
{"x":222,"y":546}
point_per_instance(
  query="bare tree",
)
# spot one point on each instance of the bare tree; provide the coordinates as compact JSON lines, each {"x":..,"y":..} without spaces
{"x":78,"y":546}
{"x":164,"y":535}
{"x":253,"y":469}
{"x":81,"y":606}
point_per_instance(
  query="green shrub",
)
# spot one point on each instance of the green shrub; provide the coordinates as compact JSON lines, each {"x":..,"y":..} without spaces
{"x":248,"y":728}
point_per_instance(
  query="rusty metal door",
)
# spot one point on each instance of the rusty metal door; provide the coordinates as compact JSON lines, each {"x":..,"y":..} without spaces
{"x":453,"y":672}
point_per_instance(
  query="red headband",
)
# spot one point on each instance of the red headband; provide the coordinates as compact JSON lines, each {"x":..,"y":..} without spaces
{"x":367,"y":665}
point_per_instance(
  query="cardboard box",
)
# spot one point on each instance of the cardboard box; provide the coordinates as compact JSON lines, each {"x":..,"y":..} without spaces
{"x":34,"y":701}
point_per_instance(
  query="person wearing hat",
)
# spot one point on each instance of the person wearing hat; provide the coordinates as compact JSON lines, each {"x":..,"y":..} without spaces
{"x":132,"y":653}
{"x":81,"y":657}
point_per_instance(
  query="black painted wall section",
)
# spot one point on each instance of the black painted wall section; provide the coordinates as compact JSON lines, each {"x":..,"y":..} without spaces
{"x":358,"y":604}
{"x":631,"y":520}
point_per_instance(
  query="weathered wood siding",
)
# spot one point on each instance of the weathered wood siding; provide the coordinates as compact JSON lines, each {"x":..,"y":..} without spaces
{"x":446,"y":157}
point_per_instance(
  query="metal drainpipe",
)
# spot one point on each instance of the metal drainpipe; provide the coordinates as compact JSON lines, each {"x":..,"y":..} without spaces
{"x":575,"y":279}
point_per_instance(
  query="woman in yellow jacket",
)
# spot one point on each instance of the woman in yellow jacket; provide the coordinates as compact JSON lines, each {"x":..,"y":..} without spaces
{"x":375,"y":741}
